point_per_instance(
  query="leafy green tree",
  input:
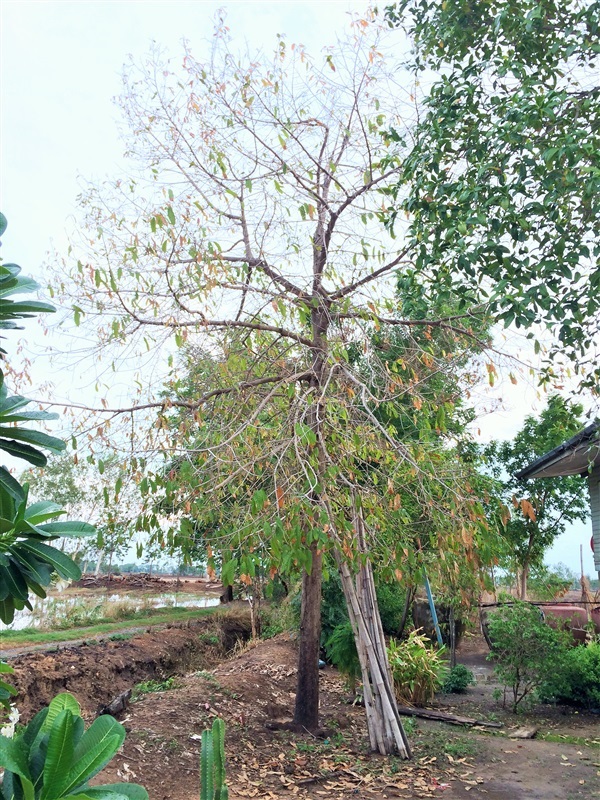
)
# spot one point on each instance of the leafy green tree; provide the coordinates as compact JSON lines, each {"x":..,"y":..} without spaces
{"x":537,"y":511}
{"x":98,"y":490}
{"x":502,"y":186}
{"x":248,"y":227}
{"x":527,"y":651}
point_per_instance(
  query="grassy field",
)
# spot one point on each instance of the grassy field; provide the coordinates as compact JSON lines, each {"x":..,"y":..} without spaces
{"x":143,"y":618}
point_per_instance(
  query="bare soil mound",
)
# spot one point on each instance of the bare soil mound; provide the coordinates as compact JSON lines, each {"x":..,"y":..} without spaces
{"x":96,"y":672}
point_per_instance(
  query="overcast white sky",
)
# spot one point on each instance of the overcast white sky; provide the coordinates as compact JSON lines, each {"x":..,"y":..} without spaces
{"x":60,"y":69}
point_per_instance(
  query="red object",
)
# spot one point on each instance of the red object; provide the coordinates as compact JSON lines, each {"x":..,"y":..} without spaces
{"x":592,"y":544}
{"x":573,"y":618}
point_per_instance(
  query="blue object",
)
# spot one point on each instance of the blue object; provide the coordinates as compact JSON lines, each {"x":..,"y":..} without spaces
{"x":436,"y":624}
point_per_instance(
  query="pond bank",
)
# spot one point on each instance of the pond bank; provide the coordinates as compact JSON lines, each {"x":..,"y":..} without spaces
{"x":96,"y":672}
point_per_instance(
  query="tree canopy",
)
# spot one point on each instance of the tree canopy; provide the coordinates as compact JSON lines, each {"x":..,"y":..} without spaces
{"x":503,"y":183}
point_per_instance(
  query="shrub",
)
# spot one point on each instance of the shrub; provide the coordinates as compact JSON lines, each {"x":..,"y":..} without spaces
{"x":152,"y":686}
{"x":577,"y":682}
{"x":526,"y":650}
{"x":417,"y":669}
{"x":341,"y":651}
{"x":390,"y":600}
{"x":278,"y":617}
{"x":333,"y":606}
{"x":458,"y":679}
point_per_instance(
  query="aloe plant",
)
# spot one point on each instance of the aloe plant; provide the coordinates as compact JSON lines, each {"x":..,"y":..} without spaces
{"x":55,"y":757}
{"x":212,"y":763}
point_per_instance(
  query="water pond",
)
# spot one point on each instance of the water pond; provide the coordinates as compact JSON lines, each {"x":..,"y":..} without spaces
{"x":64,"y":609}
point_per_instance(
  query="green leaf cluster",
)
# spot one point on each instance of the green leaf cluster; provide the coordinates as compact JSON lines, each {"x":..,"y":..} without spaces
{"x":526,"y":651}
{"x":503,"y":184}
{"x":417,"y":668}
{"x":55,"y":757}
{"x":537,"y":511}
{"x":27,"y":561}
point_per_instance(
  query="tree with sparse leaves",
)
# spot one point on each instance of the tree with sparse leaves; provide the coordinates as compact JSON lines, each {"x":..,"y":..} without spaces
{"x":249,"y":228}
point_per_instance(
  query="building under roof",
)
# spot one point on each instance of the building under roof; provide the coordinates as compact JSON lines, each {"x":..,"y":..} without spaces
{"x":579,"y":455}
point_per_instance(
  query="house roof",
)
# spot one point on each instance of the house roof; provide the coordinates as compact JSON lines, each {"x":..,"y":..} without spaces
{"x":573,"y":457}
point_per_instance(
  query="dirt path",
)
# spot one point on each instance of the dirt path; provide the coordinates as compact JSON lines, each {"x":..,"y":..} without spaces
{"x":11,"y":653}
{"x":255,"y":689}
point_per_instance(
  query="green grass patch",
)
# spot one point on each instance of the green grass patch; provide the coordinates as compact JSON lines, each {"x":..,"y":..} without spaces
{"x":151,"y":687}
{"x":147,"y":618}
{"x":580,"y":741}
{"x":431,"y":742}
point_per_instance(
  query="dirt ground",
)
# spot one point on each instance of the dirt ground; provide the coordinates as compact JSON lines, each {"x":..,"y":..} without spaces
{"x":254,"y":690}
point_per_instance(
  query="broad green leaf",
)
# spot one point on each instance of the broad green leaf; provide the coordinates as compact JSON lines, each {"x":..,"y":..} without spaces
{"x":27,"y":416}
{"x":59,"y":754}
{"x":13,"y":758}
{"x":70,"y":528}
{"x":37,"y":513}
{"x":38,"y":438}
{"x":13,"y":578}
{"x":12,"y":487}
{"x":102,"y":728}
{"x":35,"y":728}
{"x":62,"y":702}
{"x":24,"y":451}
{"x":35,"y":569}
{"x":9,"y":405}
{"x":7,"y":610}
{"x":25,"y":308}
{"x":89,"y":761}
{"x":20,"y":284}
{"x":65,"y":567}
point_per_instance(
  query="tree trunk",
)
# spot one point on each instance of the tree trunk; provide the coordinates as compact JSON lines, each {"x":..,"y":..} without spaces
{"x":452,"y":626}
{"x":99,"y":562}
{"x":523,"y":582}
{"x":306,"y":712}
{"x":410,"y":593}
{"x":227,"y":596}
